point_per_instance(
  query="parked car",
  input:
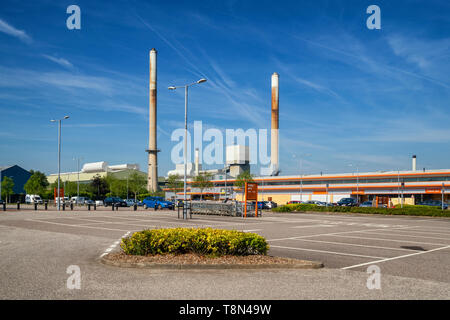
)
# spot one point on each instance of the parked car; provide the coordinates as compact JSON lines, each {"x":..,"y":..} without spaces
{"x":347,"y":202}
{"x":99,"y":203}
{"x":114,"y":201}
{"x":1,"y":201}
{"x":33,"y":198}
{"x":158,"y":202}
{"x":131,"y":202}
{"x":434,"y":203}
{"x":270,"y":204}
{"x":295,"y":201}
{"x":78,"y":200}
{"x":366,"y":204}
{"x":88,"y":201}
{"x":317,"y":202}
{"x":63,"y":200}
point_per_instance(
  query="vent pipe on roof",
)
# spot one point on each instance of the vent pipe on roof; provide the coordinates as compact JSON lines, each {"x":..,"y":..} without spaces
{"x":414,"y":163}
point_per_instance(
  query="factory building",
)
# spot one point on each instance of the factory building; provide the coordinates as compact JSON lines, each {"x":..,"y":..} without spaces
{"x":102,"y":169}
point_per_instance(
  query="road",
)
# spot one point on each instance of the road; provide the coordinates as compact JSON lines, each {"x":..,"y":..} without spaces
{"x":412,"y":254}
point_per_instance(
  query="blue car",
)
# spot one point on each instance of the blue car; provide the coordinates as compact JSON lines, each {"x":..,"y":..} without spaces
{"x":158,"y":202}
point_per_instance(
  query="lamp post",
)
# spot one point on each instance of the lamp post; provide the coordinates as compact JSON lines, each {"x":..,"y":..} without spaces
{"x":357,"y":182}
{"x":59,"y":156}
{"x":185,"y":133}
{"x":300,"y":158}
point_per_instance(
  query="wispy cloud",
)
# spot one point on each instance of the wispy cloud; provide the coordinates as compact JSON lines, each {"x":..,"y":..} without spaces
{"x":12,"y":31}
{"x":61,"y":61}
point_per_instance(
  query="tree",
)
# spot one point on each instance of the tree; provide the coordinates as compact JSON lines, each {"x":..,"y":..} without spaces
{"x":118,"y":188}
{"x":99,"y":186}
{"x":37,"y":183}
{"x":174,"y":183}
{"x":7,"y":187}
{"x":203,"y":181}
{"x":136,"y":183}
{"x":241,"y":179}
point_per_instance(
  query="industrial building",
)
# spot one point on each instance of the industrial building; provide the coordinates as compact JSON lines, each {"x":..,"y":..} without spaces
{"x":102,"y":169}
{"x":19,"y":175}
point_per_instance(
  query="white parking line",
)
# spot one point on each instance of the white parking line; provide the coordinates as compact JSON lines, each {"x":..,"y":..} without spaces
{"x":356,"y":245}
{"x":331,"y":252}
{"x":425,"y":232}
{"x":312,"y":226}
{"x":72,"y":225}
{"x":394,"y":258}
{"x":402,"y":235}
{"x":384,"y":239}
{"x":114,"y":245}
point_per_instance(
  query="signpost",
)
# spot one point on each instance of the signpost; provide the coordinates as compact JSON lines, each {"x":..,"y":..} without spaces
{"x":251,"y":193}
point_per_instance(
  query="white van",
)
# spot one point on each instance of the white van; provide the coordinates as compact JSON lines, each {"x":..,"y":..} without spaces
{"x":78,"y":200}
{"x":33,"y":198}
{"x":63,"y":200}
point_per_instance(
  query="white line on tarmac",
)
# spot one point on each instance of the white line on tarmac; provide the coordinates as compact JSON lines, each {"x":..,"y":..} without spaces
{"x":394,"y":258}
{"x":402,"y":235}
{"x":114,"y":245}
{"x":392,"y":240}
{"x":356,"y":245}
{"x":425,"y":232}
{"x":331,"y":252}
{"x":313,"y":226}
{"x":75,"y":226}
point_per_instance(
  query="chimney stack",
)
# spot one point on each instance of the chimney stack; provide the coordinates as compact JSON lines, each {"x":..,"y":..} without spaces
{"x":152,"y":183}
{"x":275,"y":123}
{"x":196,"y":169}
{"x":414,"y":163}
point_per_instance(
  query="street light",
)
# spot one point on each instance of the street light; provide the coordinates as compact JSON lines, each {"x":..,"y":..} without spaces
{"x":300,"y":158}
{"x":185,"y":133}
{"x":357,"y":182}
{"x":59,"y":155}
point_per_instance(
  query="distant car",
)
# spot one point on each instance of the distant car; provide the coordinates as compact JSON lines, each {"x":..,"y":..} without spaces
{"x":88,"y":201}
{"x":114,"y":201}
{"x":131,"y":202}
{"x":99,"y":203}
{"x":1,"y":201}
{"x":158,"y":202}
{"x":366,"y":204}
{"x":434,"y":203}
{"x":317,"y":202}
{"x":270,"y":204}
{"x":295,"y":201}
{"x":78,"y":200}
{"x":347,"y":202}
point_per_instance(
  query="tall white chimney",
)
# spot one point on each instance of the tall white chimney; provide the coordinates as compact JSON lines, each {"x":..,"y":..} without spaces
{"x":275,"y":124}
{"x":196,"y":162}
{"x":414,"y":163}
{"x":152,"y":182}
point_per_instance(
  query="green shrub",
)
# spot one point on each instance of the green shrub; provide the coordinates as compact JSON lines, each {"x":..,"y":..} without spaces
{"x":406,"y":210}
{"x":204,"y":241}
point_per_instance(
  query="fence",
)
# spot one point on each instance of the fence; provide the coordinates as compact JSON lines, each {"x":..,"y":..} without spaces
{"x":234,"y":208}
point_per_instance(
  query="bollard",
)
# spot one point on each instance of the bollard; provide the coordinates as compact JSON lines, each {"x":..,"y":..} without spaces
{"x":4,"y":206}
{"x":46,"y":205}
{"x":64,"y":206}
{"x":156,"y":207}
{"x":95,"y":206}
{"x":71,"y":206}
{"x":112,"y":207}
{"x":89,"y":207}
{"x":117,"y":207}
{"x":35,"y":206}
{"x":135,"y":207}
{"x":18,"y":205}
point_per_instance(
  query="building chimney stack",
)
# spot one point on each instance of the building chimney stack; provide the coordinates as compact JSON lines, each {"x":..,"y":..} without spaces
{"x":414,"y":163}
{"x":152,"y":183}
{"x":275,"y":124}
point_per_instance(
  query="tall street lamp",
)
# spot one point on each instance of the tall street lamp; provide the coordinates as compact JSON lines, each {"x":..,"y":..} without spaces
{"x":185,"y":133}
{"x":59,"y":156}
{"x":300,"y":158}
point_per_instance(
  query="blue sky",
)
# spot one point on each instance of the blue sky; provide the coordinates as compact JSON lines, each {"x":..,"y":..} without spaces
{"x":348,"y":94}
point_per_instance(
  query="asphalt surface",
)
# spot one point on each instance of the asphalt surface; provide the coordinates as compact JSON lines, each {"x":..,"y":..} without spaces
{"x":412,"y":254}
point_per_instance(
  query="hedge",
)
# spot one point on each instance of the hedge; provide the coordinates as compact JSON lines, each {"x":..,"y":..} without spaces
{"x":204,"y":241}
{"x":406,"y":210}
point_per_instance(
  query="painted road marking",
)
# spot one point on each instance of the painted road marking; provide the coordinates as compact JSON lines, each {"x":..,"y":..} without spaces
{"x":331,"y":252}
{"x":114,"y":245}
{"x":75,"y":226}
{"x":394,"y":258}
{"x":402,"y":235}
{"x":384,"y":239}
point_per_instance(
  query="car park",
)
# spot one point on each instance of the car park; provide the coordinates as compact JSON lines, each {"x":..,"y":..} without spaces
{"x":114,"y":201}
{"x":157,"y":202}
